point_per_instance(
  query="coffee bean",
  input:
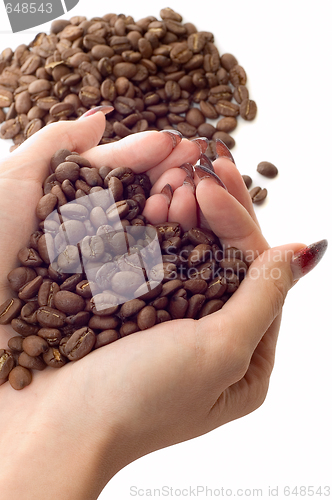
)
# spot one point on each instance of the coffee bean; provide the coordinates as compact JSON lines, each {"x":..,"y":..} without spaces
{"x":69,"y":302}
{"x":195,"y":304}
{"x":258,"y":194}
{"x":146,"y":318}
{"x":9,"y":310}
{"x":51,"y":335}
{"x":210,"y":307}
{"x":34,"y":345}
{"x":80,"y":343}
{"x":248,"y":109}
{"x":247,"y":180}
{"x":267,"y":169}
{"x":30,"y":289}
{"x":19,"y":377}
{"x":49,"y":317}
{"x":6,"y":363}
{"x":15,"y":344}
{"x":54,"y":358}
{"x":106,"y":337}
{"x":31,"y":362}
{"x":19,"y":276}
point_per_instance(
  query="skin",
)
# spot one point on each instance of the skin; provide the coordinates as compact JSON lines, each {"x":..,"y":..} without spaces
{"x":156,"y":387}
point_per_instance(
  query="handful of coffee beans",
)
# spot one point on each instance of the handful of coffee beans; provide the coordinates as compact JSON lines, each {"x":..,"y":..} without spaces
{"x":157,"y":73}
{"x":96,"y":270}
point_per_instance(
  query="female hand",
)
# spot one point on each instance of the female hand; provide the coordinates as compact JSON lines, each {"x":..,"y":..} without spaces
{"x":72,"y":429}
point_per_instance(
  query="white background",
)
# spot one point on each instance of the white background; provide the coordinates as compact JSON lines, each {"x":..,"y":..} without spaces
{"x":285,"y":47}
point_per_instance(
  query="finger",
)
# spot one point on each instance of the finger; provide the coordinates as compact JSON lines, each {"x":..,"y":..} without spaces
{"x":152,"y":152}
{"x":183,"y":208}
{"x":173,"y":176}
{"x":260,"y":298}
{"x":35,"y":153}
{"x":231,"y":176}
{"x":229,"y":219}
{"x":156,"y":209}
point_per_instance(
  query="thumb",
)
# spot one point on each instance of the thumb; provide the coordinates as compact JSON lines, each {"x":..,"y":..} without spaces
{"x":262,"y":293}
{"x":35,"y":153}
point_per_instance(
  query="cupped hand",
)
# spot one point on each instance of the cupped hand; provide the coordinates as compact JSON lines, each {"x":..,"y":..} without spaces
{"x":157,"y":387}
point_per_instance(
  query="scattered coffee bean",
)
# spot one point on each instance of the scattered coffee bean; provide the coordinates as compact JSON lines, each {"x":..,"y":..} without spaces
{"x":258,"y":194}
{"x":267,"y":169}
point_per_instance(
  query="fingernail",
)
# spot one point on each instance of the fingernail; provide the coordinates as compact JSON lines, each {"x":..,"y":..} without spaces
{"x":175,"y":135}
{"x":205,"y":173}
{"x":202,"y":143}
{"x":223,"y":151}
{"x":167,"y":191}
{"x":188,"y":168}
{"x":307,"y":258}
{"x":206,"y":162}
{"x":92,"y":111}
{"x":189,"y":181}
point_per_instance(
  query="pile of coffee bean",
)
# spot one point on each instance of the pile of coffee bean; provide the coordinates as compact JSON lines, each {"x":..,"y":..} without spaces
{"x":156,"y":73}
{"x":96,"y":270}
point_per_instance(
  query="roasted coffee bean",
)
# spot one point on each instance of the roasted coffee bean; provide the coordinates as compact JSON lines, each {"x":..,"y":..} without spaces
{"x":35,"y":345}
{"x":19,"y":276}
{"x":131,"y":308}
{"x":128,"y":328}
{"x":67,"y":170}
{"x":146,"y":318}
{"x":15,"y":344}
{"x":23,"y":328}
{"x":258,"y":194}
{"x":19,"y":377}
{"x":7,"y":363}
{"x":30,"y":289}
{"x":31,"y":362}
{"x":47,"y":292}
{"x":51,"y":335}
{"x":54,"y":358}
{"x":267,"y":169}
{"x":248,"y":109}
{"x":247,"y":180}
{"x":80,"y":343}
{"x":9,"y":310}
{"x":69,"y":302}
{"x":29,"y":257}
{"x":210,"y":307}
{"x":195,"y":304}
{"x":49,"y":317}
{"x":177,"y":307}
{"x":106,"y":337}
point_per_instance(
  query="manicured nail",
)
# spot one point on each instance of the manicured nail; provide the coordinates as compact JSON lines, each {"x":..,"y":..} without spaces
{"x":223,"y":151}
{"x":188,"y":168}
{"x":167,"y":191}
{"x":189,"y":181}
{"x":202,"y":143}
{"x":92,"y":111}
{"x":175,"y":135}
{"x":205,"y":173}
{"x":206,"y":162}
{"x":307,"y":258}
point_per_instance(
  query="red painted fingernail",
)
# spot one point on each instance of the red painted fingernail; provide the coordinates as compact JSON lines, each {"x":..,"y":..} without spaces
{"x":167,"y":191}
{"x":223,"y":151}
{"x":188,"y":168}
{"x":189,"y":181}
{"x":92,"y":111}
{"x":175,"y":135}
{"x":307,"y":258}
{"x":205,"y":173}
{"x":202,"y":143}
